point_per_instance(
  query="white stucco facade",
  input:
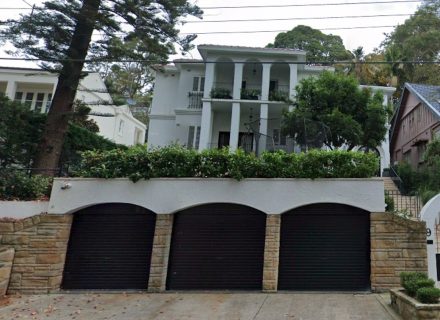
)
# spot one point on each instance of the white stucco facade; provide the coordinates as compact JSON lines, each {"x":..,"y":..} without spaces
{"x":169,"y":195}
{"x":35,"y":88}
{"x":22,"y":209}
{"x":186,"y":111}
{"x":431,"y":215}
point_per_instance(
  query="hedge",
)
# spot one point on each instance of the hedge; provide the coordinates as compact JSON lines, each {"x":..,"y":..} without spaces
{"x":138,"y":163}
{"x":18,"y":185}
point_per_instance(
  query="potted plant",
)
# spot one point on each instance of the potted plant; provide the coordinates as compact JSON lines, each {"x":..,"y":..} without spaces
{"x":221,"y":93}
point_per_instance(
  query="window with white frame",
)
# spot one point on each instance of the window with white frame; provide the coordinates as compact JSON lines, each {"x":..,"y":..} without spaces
{"x":198,"y":84}
{"x":38,"y":101}
{"x":193,"y":137}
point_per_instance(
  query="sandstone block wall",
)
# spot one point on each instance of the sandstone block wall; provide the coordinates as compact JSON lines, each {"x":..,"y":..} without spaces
{"x":6,"y":258}
{"x":160,"y":253}
{"x":40,"y":244}
{"x":397,"y":245}
{"x":271,"y":253}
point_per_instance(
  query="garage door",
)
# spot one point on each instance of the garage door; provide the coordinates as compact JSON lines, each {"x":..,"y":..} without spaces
{"x":217,"y":246}
{"x":110,"y":248}
{"x":325,"y":247}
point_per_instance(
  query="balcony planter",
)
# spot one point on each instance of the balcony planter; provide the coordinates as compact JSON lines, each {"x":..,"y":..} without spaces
{"x":280,"y":96}
{"x":410,"y":308}
{"x":250,"y":94}
{"x":220,"y":93}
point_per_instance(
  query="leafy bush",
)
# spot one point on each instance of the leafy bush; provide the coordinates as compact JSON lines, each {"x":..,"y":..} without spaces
{"x":277,"y":95}
{"x":249,"y":94}
{"x":221,"y":93}
{"x":412,"y":281}
{"x":389,"y":203}
{"x":18,"y":185}
{"x":428,"y":295}
{"x":175,"y":161}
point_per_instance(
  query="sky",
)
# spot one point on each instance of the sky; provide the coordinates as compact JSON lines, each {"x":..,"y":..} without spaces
{"x":368,"y":38}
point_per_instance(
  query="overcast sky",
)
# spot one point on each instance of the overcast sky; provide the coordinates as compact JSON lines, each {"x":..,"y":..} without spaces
{"x":368,"y":38}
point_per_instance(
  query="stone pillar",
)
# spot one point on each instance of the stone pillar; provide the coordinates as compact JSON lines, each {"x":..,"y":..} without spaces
{"x":206,"y":126}
{"x":209,"y":79}
{"x":235,"y":127}
{"x":11,"y":87}
{"x":160,"y":253}
{"x":264,"y":116}
{"x":271,"y":253}
{"x":238,"y":79}
{"x":397,"y":245}
{"x":293,"y":79}
{"x":6,"y":258}
{"x":265,"y":84}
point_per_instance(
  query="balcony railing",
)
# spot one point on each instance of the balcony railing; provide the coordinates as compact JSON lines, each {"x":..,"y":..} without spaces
{"x":195,"y":99}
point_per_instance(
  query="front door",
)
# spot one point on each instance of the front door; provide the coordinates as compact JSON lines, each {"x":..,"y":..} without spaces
{"x":245,"y":140}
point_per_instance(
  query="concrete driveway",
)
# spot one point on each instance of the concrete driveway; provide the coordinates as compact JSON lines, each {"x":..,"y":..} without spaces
{"x":198,"y":306}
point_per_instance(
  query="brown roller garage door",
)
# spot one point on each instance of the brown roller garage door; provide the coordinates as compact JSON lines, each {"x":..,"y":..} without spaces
{"x":325,"y":247}
{"x":217,"y":246}
{"x":110,"y":248}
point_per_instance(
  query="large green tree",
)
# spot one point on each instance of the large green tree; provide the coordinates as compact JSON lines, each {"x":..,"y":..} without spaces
{"x":21,"y":128}
{"x":414,"y":43}
{"x":60,"y":34}
{"x":320,"y":47}
{"x":333,"y":110}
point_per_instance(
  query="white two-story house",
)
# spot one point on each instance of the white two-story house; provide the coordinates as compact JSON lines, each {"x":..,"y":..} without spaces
{"x":233,"y":97}
{"x":35,"y":88}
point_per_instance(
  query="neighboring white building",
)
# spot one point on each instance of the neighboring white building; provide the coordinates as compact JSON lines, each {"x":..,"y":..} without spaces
{"x":228,"y":96}
{"x":35,"y":88}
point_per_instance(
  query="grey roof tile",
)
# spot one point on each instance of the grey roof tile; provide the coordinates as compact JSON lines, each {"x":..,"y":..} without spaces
{"x":429,"y":94}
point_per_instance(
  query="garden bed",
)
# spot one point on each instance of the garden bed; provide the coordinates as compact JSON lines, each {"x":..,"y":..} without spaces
{"x":410,"y":309}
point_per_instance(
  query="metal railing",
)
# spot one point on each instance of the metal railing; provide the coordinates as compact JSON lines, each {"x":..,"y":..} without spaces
{"x":397,"y":180}
{"x":195,"y":100}
{"x":409,"y":206}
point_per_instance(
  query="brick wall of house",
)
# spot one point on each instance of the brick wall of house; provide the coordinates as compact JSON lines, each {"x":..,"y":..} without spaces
{"x":396,"y":245}
{"x":40,"y":244}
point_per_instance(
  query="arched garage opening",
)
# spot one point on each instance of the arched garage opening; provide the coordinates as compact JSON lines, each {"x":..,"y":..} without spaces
{"x":217,"y":247}
{"x":325,"y":247}
{"x":110,"y":247}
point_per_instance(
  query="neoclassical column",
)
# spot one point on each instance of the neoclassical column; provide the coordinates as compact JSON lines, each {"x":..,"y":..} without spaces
{"x":293,"y":79}
{"x":206,"y":126}
{"x":235,"y":126}
{"x":209,"y":79}
{"x":265,"y":82}
{"x":264,"y":116}
{"x":238,"y":79}
{"x":11,"y":87}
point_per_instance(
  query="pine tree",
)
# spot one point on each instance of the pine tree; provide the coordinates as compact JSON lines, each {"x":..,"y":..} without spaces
{"x":65,"y":34}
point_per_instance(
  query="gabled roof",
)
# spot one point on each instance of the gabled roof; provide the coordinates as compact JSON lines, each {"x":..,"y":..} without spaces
{"x":429,"y":95}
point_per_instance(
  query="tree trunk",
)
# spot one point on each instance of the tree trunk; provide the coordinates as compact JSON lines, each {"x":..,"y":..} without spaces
{"x":51,"y":144}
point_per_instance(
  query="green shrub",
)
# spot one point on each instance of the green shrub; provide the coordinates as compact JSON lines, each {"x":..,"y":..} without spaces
{"x":428,"y":295}
{"x":175,"y":161}
{"x":412,"y":281}
{"x":249,"y":94}
{"x":389,"y":203}
{"x":18,"y":185}
{"x":426,"y":195}
{"x":410,"y":276}
{"x":220,"y":93}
